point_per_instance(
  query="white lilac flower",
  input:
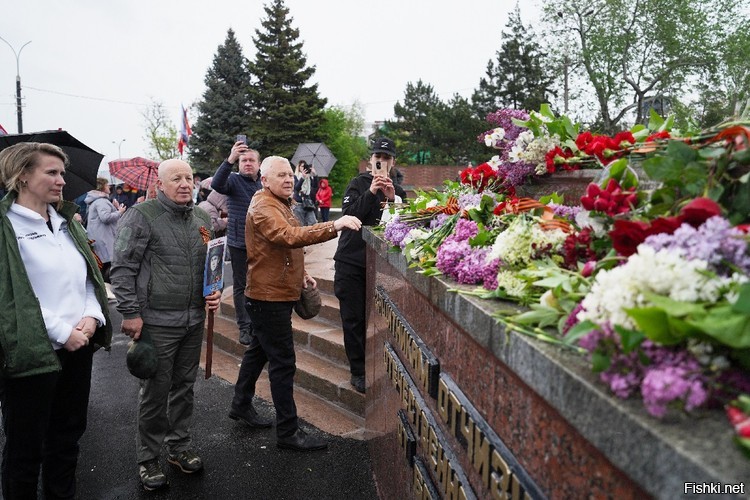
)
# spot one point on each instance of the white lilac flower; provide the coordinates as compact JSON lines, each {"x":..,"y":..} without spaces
{"x":432,"y":203}
{"x":493,"y":139}
{"x":522,"y":241}
{"x":662,"y":272}
{"x":494,"y":162}
{"x":512,"y":285}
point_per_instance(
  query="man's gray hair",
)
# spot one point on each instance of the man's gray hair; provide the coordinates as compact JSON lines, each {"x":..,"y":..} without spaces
{"x":268,"y":162}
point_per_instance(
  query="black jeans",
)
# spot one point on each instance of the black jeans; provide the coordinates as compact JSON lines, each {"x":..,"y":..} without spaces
{"x":349,"y":285}
{"x":44,"y":416}
{"x":239,"y":279}
{"x":273,"y":343}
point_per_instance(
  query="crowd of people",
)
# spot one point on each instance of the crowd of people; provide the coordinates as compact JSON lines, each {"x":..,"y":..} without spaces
{"x":152,"y":248}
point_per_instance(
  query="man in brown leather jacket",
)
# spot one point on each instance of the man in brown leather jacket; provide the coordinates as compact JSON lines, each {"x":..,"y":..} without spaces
{"x":275,"y":278}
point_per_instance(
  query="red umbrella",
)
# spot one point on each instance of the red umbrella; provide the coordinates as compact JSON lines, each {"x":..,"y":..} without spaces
{"x":137,"y":172}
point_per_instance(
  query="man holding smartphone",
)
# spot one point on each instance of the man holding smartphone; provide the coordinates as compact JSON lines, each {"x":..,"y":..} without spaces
{"x":364,"y":198}
{"x":239,"y":188}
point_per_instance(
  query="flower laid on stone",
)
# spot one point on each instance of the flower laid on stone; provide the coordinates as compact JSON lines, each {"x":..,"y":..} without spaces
{"x":652,"y":284}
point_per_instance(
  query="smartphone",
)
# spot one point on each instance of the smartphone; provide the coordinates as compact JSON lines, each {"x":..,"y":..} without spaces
{"x":241,"y":138}
{"x":379,"y":170}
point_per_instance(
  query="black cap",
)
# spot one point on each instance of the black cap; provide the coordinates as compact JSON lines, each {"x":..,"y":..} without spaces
{"x":384,"y":145}
{"x":141,"y":359}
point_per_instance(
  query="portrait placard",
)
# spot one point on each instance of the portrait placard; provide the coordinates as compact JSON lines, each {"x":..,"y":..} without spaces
{"x":213,"y":275}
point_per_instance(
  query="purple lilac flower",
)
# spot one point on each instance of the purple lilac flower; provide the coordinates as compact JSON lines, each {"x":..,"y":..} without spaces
{"x":464,"y":230}
{"x":438,"y":221}
{"x":474,"y":268}
{"x":490,"y":274}
{"x":504,"y":118}
{"x":450,"y":254}
{"x":715,"y":241}
{"x":565,"y":211}
{"x":396,"y":231}
{"x":668,"y":375}
{"x":515,"y":174}
{"x":664,"y":384}
{"x":469,"y":200}
{"x":572,"y":319}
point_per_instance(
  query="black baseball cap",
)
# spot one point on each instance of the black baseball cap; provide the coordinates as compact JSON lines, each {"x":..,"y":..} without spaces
{"x":384,"y":145}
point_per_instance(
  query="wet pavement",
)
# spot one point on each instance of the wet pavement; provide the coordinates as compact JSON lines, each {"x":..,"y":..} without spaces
{"x":240,"y":463}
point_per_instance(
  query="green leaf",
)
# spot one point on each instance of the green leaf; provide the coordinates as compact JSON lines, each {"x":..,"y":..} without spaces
{"x":631,"y":339}
{"x":600,"y":362}
{"x":541,"y":316}
{"x":681,"y":151}
{"x":674,"y":307}
{"x":726,"y":326}
{"x":655,"y":122}
{"x":546,"y":111}
{"x":654,"y":323}
{"x":742,"y":305}
{"x":552,"y":281}
{"x":581,"y":329}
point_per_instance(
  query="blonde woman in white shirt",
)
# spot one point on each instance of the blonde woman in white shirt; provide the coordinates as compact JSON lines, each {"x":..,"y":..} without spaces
{"x":54,"y":313}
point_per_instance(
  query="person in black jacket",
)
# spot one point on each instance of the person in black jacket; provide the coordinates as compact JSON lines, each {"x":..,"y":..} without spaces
{"x":364,"y":198}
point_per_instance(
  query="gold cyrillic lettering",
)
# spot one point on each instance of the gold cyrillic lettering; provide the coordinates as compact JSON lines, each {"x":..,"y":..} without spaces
{"x":500,"y":477}
{"x":442,"y":404}
{"x":481,"y":457}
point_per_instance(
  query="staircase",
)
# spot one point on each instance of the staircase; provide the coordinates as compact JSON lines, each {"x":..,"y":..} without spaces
{"x":322,"y":391}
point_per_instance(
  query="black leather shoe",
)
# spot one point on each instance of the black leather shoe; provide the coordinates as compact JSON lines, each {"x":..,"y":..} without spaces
{"x":251,"y":418}
{"x":358,"y":381}
{"x":246,"y":336}
{"x":301,"y":441}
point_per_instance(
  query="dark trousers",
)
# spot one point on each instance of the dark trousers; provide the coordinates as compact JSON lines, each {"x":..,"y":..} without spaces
{"x":324,"y":211}
{"x":273,"y":343}
{"x":239,"y":279}
{"x":44,"y":416}
{"x":165,"y":401}
{"x":349,"y":285}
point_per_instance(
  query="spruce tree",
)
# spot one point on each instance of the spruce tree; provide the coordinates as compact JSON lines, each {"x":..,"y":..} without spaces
{"x":224,"y":110}
{"x":516,"y":79}
{"x":414,"y":127}
{"x":285,"y":110}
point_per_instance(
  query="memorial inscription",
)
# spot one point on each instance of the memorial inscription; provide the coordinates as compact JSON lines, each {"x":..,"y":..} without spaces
{"x":422,"y":436}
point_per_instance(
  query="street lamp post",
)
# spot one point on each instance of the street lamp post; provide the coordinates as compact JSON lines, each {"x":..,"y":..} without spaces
{"x":19,"y":111}
{"x":119,"y":146}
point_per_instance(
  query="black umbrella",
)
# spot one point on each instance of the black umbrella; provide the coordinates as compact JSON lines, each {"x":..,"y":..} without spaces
{"x":80,"y":176}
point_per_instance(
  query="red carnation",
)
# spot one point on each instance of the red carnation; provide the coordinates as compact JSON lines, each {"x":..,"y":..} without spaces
{"x":699,"y":211}
{"x":664,"y":225}
{"x":627,"y":235}
{"x":658,"y":135}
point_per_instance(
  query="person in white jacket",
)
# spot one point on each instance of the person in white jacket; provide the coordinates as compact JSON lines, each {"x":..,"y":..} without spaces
{"x":101,"y":225}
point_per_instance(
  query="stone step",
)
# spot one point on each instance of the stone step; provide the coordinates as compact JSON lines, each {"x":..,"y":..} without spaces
{"x":329,"y":303}
{"x":317,"y":345}
{"x":318,"y":411}
{"x":323,"y":338}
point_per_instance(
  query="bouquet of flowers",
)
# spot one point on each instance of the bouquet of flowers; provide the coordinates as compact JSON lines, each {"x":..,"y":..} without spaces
{"x":651,"y":285}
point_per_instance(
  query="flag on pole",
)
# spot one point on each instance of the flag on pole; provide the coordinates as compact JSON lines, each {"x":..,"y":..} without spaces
{"x":185,"y":131}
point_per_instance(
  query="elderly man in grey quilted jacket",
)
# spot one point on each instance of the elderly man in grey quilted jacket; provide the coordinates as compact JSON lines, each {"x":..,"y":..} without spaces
{"x":157,"y":277}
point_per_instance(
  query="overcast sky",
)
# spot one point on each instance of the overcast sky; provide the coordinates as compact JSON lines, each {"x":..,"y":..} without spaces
{"x":92,"y":67}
